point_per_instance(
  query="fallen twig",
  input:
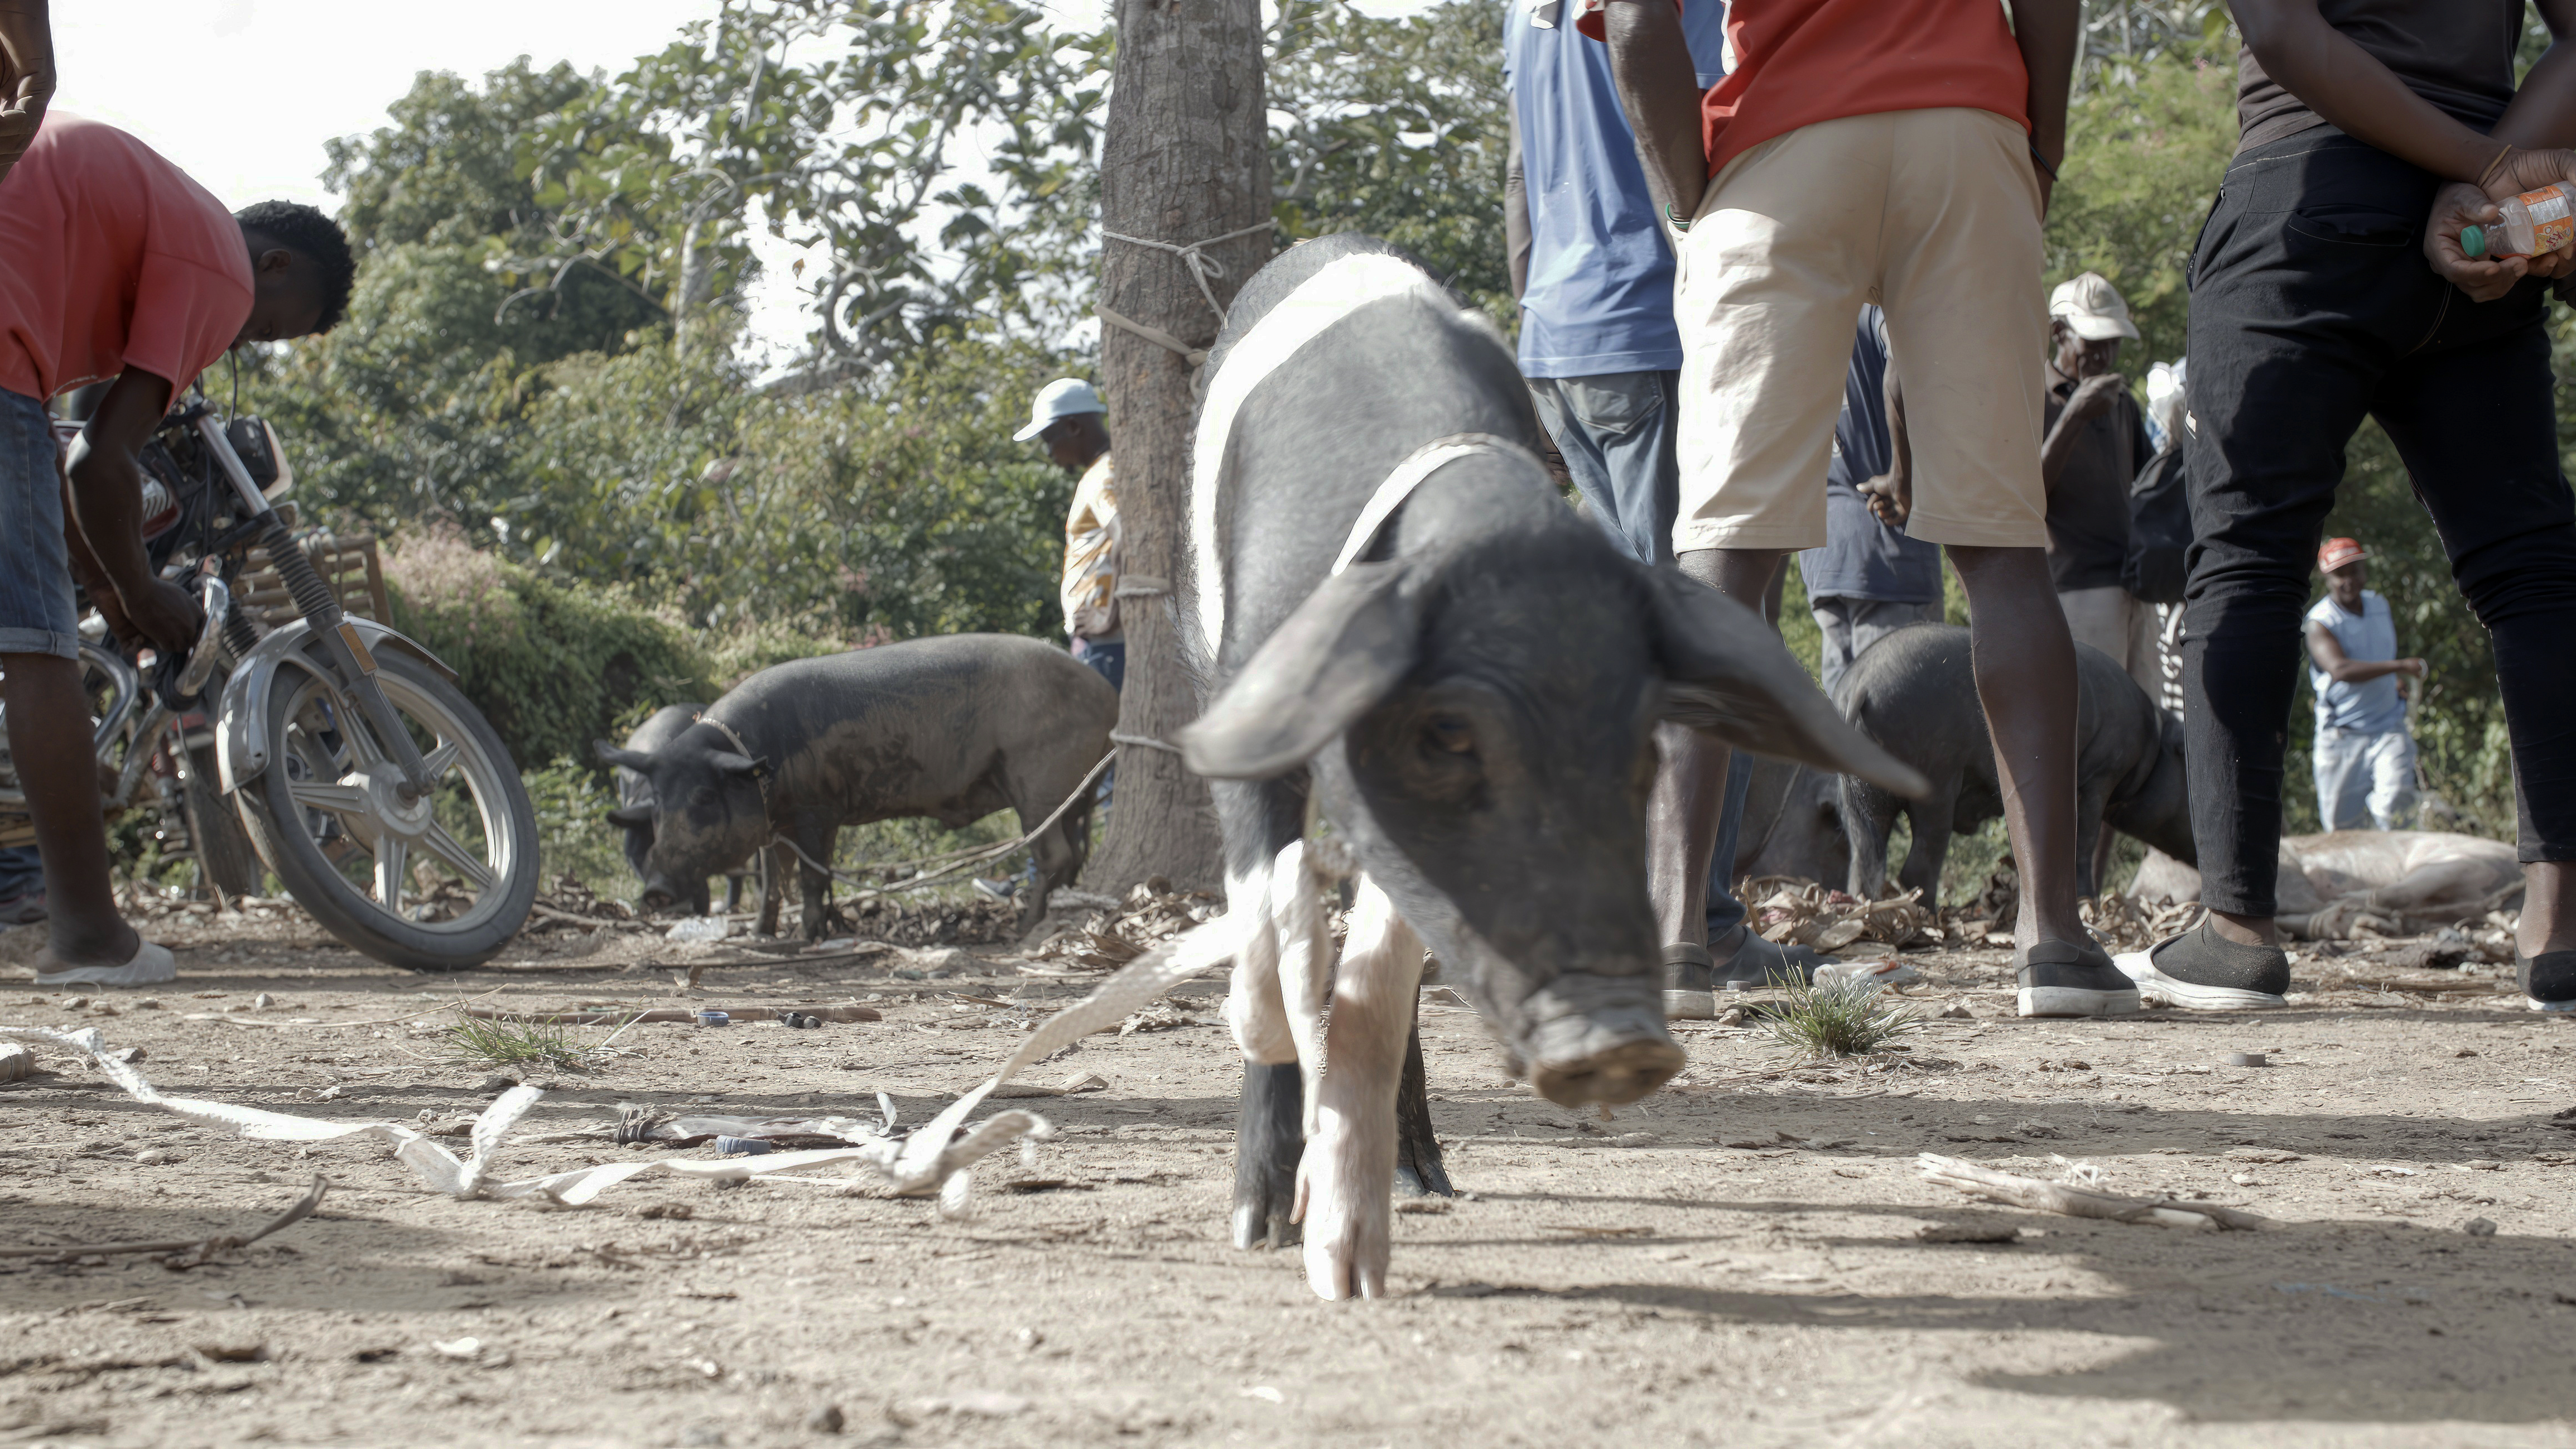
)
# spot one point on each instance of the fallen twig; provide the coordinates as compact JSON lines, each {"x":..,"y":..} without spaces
{"x":198,"y":1249}
{"x":2076,"y":1202}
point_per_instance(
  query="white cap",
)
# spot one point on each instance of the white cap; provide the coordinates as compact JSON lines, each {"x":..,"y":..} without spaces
{"x":1066,"y":397}
{"x":2091,"y":308}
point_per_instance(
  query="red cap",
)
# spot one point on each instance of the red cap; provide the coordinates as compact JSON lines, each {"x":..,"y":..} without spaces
{"x":2340,"y":551}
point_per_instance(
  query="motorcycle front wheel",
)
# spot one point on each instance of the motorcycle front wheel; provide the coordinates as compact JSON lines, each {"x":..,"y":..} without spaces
{"x":439,"y":883}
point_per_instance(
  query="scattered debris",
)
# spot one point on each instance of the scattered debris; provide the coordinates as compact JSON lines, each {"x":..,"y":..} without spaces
{"x":2053,"y":1197}
{"x":1160,"y":1016}
{"x":1796,"y":912}
{"x":2479,"y":1228}
{"x":1151,"y":914}
{"x":16,"y":1062}
{"x":601,"y":1016}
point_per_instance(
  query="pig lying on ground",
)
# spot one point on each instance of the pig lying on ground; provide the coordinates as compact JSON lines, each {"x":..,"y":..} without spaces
{"x":952,"y":728}
{"x":1914,"y":693}
{"x":634,"y":812}
{"x":2402,"y":882}
{"x":1394,"y":612}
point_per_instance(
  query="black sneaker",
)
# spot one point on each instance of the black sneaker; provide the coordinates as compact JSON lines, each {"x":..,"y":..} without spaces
{"x":2073,"y":978}
{"x":2548,"y":980}
{"x":2201,"y":970}
{"x":1758,"y":963}
{"x":1688,"y":994}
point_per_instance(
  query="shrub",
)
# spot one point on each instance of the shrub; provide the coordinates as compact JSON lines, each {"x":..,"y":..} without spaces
{"x":552,"y":664}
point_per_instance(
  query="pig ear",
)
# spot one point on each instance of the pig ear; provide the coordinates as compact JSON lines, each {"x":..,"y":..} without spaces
{"x":635,"y":760}
{"x":629,"y":816}
{"x":739,"y":766}
{"x":1727,"y":674}
{"x":1333,"y":659}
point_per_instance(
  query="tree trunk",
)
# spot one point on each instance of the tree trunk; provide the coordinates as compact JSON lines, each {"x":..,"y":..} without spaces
{"x":1185,"y":157}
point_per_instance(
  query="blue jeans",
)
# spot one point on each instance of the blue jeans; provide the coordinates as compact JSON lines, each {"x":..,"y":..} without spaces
{"x":2365,"y":780}
{"x":22,"y":873}
{"x":36,"y":611}
{"x":1616,"y":431}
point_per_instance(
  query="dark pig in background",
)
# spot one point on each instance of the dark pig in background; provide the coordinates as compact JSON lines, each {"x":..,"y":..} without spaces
{"x":1915,"y":693}
{"x":634,"y":812}
{"x":951,"y":728}
{"x":1395,"y":612}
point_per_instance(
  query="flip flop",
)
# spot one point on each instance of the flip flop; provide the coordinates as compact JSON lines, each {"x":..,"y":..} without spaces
{"x":151,"y":965}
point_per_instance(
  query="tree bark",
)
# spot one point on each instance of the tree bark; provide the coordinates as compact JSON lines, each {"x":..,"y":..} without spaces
{"x":1185,"y":157}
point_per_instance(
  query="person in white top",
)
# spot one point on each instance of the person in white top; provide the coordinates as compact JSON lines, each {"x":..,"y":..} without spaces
{"x":2365,"y":759}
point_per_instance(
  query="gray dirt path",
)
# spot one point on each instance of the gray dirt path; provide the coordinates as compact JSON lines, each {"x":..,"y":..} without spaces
{"x":1733,"y":1262}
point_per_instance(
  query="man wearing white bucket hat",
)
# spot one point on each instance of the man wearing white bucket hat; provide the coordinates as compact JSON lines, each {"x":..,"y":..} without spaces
{"x":2096,"y":443}
{"x":1071,"y":420}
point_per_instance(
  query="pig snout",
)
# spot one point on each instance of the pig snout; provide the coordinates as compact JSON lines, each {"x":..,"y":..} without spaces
{"x":1598,"y":1039}
{"x":662,"y":893}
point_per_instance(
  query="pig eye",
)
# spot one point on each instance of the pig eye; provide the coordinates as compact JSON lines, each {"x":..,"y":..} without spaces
{"x":1450,"y":734}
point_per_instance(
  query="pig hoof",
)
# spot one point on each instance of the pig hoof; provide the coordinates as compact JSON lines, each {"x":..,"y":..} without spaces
{"x":1269,"y":1138}
{"x":1616,"y":1076}
{"x":1347,"y":1235}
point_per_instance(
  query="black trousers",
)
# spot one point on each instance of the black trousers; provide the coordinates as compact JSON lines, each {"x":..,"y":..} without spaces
{"x":2311,"y":306}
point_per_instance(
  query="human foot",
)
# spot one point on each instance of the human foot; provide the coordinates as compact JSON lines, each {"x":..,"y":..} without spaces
{"x":2072,"y":978}
{"x":2548,"y":980}
{"x":1692,"y":977}
{"x":150,"y":966}
{"x":2201,"y":970}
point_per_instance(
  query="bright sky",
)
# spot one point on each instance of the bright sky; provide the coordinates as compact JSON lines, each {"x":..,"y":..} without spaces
{"x":242,"y":94}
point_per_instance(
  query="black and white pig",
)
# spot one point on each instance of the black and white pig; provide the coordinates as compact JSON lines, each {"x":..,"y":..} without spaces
{"x":1915,"y":693}
{"x":634,"y":812}
{"x":952,"y":728}
{"x":1394,"y":611}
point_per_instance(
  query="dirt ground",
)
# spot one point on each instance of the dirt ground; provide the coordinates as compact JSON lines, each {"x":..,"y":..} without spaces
{"x":1733,"y":1261}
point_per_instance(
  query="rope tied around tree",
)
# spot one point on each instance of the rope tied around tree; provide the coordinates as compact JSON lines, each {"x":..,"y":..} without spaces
{"x":1201,"y":266}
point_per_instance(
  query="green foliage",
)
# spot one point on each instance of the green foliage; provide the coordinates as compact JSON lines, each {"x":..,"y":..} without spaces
{"x":1836,"y":1018}
{"x":1398,"y":128}
{"x":839,"y":122}
{"x":552,"y":665}
{"x":573,"y":836}
{"x":477,"y":1042}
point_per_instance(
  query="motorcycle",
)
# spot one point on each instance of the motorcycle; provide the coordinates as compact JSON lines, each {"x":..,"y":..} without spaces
{"x":342,"y":755}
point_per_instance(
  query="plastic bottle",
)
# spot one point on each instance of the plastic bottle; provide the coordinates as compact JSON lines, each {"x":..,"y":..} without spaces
{"x":2532,"y":223}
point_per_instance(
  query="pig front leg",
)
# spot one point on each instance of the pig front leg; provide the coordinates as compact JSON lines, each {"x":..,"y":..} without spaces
{"x":1346,"y":1179}
{"x":1869,"y":817}
{"x":1924,"y":858}
{"x":818,"y":845}
{"x":1418,"y":1169}
{"x":1271,"y":1132}
{"x":774,"y":863}
{"x":1058,"y":858}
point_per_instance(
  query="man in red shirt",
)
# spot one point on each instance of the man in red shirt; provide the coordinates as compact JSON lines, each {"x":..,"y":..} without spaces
{"x":1897,"y":152}
{"x":26,"y":76}
{"x":114,"y":267}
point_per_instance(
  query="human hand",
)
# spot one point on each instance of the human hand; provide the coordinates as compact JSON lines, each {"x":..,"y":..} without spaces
{"x":1890,"y":497}
{"x":23,"y":97}
{"x":2484,"y":279}
{"x":166,"y":617}
{"x":2094,"y":394}
{"x":2412,"y":667}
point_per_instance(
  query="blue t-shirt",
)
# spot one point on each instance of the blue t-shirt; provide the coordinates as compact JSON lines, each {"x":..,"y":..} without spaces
{"x":2373,"y":706}
{"x":1600,"y":292}
{"x":1862,"y":557}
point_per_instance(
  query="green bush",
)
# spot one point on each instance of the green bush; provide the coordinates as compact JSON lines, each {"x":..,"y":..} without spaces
{"x":552,"y":664}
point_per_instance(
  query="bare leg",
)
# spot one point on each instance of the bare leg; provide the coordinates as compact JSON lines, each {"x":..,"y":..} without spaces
{"x":2025,"y":667}
{"x":1690,"y":770}
{"x":2548,"y":908}
{"x":49,"y":741}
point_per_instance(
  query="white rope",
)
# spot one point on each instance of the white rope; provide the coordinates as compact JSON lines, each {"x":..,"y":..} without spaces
{"x":1146,"y":741}
{"x":1201,"y":265}
{"x":1410,"y":474}
{"x":971,"y":858}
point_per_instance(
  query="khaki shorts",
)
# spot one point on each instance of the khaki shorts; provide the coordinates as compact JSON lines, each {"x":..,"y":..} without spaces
{"x":1935,"y":216}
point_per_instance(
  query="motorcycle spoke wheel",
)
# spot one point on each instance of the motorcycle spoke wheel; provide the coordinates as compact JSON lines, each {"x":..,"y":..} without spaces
{"x":436,"y":881}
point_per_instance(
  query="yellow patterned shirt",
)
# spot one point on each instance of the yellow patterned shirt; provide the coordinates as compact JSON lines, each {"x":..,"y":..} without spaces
{"x":1091,"y":556}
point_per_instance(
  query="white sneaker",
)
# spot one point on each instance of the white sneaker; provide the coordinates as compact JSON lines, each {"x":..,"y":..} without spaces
{"x":152,"y":965}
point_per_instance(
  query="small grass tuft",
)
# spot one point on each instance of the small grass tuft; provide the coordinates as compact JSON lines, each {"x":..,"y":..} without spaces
{"x":1848,"y":1018}
{"x":521,"y":1043}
